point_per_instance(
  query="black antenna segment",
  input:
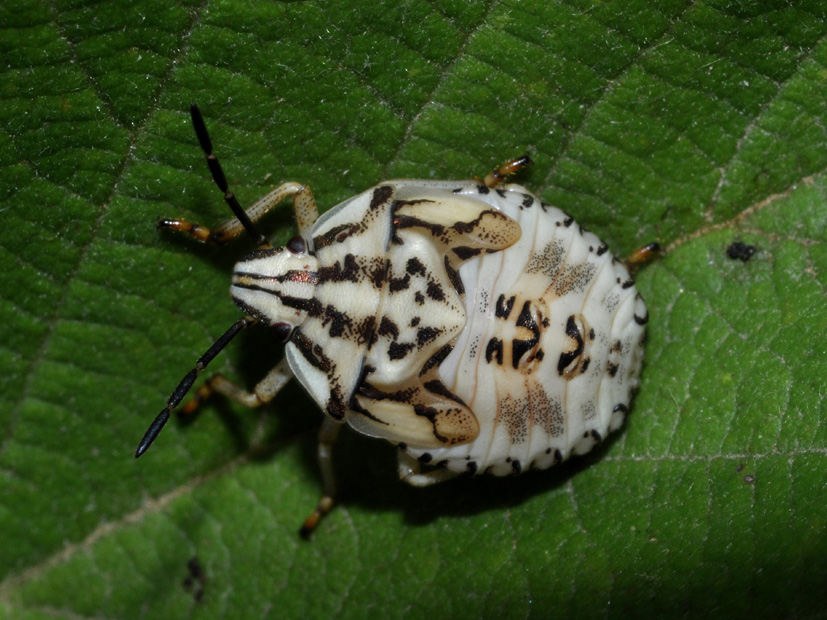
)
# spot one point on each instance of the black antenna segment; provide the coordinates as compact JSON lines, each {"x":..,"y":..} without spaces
{"x":186,"y":383}
{"x":220,"y":179}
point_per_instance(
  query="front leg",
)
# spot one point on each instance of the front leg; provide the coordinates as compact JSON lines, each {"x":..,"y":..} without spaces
{"x":304,"y":204}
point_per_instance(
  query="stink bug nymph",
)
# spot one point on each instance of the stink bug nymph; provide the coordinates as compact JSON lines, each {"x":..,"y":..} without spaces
{"x":468,"y":323}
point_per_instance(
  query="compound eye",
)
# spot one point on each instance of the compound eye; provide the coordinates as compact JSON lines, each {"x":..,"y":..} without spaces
{"x":297,"y":245}
{"x":282,"y":331}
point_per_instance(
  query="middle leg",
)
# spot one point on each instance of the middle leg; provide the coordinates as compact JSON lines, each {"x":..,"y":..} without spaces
{"x":264,"y":392}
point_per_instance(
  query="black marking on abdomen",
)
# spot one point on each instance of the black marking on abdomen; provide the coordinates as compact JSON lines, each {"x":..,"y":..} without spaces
{"x":642,"y":320}
{"x":503,"y":307}
{"x":494,"y":348}
{"x":549,"y":260}
{"x":567,"y":357}
{"x":521,"y":347}
{"x":526,"y":320}
{"x":594,"y":435}
{"x":575,"y":278}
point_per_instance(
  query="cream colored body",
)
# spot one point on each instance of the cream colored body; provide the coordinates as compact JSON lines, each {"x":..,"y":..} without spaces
{"x":529,"y":350}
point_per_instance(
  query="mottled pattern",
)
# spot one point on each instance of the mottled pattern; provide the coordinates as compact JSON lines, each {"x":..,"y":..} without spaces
{"x":387,"y":309}
{"x":550,"y":368}
{"x":480,"y":330}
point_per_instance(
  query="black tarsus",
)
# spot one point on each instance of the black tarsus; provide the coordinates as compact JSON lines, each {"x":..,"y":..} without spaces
{"x":186,"y":383}
{"x":220,"y":178}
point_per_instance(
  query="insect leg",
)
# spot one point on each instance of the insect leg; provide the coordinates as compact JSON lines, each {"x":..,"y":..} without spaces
{"x":186,"y":383}
{"x":641,"y":256}
{"x":304,"y":204}
{"x":499,"y":174}
{"x":263,"y":393}
{"x":328,"y":435}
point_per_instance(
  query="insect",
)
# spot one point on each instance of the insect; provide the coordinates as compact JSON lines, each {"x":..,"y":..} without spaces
{"x":468,"y":323}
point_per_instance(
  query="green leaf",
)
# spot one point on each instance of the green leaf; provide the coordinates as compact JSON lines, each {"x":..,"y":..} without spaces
{"x":696,"y":124}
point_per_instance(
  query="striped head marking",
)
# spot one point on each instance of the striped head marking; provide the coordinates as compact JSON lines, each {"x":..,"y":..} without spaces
{"x":277,"y":285}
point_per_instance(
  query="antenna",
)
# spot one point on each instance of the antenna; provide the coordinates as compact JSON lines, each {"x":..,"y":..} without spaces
{"x":220,"y":179}
{"x":186,"y":383}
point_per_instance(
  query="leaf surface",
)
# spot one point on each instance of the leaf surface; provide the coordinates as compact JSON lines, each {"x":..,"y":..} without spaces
{"x":697,"y":124}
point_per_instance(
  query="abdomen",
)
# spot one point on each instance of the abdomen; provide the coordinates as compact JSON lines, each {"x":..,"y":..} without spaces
{"x":552,"y":349}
